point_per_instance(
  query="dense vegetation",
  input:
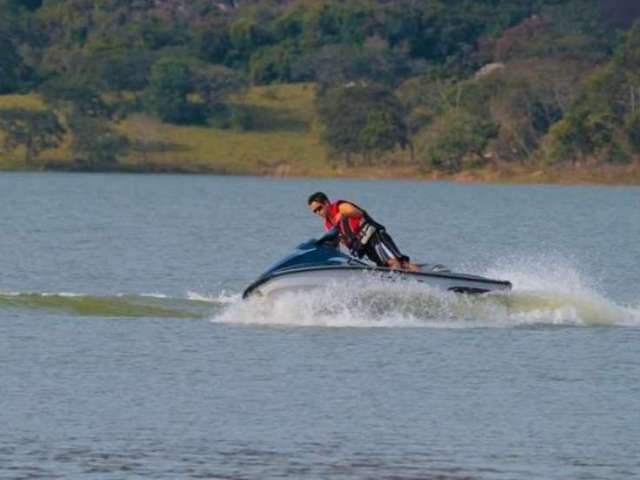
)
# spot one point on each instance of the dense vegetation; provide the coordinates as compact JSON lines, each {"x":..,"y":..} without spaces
{"x":440,"y":85}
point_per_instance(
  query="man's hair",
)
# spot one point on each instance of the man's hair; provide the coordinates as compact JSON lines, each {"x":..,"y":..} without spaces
{"x":319,"y":197}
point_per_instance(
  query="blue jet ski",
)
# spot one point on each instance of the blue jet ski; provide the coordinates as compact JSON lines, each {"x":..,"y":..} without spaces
{"x":321,"y":263}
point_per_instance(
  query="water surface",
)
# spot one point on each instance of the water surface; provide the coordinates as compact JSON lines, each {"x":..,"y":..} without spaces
{"x":126,"y":352}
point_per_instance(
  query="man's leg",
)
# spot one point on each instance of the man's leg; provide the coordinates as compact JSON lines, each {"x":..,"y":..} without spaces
{"x":412,"y":267}
{"x":394,"y":264}
{"x":389,"y":254}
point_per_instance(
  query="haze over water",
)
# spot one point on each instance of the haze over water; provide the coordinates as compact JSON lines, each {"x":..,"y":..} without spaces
{"x":127,"y":353}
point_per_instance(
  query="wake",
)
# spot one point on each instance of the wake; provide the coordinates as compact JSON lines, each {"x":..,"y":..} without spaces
{"x":547,"y":292}
{"x":126,"y":305}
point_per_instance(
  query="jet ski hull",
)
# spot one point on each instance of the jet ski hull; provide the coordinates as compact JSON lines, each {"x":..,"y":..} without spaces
{"x":309,"y":278}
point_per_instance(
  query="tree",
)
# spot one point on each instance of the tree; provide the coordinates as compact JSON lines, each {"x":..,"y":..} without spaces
{"x":213,"y":82}
{"x":602,"y":122}
{"x":337,"y":23}
{"x":271,"y":64}
{"x":246,"y":35}
{"x":573,"y":29}
{"x":425,"y":97}
{"x":35,"y":130}
{"x":119,"y":70}
{"x":361,"y":119}
{"x":95,"y":141}
{"x":75,"y":94}
{"x":532,"y":95}
{"x":456,"y":136}
{"x":336,"y":64}
{"x":381,"y":133}
{"x":186,"y":91}
{"x":9,"y":65}
{"x":213,"y":44}
{"x":10,"y":61}
{"x":170,"y":83}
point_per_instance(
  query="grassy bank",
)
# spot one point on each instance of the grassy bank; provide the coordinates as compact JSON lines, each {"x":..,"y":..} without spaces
{"x":284,"y":140}
{"x":281,"y":139}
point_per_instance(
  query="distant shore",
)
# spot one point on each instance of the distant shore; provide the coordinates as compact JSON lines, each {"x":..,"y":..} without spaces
{"x":284,"y":141}
{"x":565,"y":175}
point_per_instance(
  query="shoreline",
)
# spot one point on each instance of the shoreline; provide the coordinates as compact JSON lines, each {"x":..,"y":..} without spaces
{"x":607,"y":175}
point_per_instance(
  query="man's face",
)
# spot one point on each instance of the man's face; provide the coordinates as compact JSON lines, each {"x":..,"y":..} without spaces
{"x":318,"y":208}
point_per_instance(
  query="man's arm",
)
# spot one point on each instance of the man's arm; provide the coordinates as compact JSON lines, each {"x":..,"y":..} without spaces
{"x":348,"y":210}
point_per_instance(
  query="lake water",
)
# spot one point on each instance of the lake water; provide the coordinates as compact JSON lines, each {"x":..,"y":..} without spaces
{"x":126,"y":352}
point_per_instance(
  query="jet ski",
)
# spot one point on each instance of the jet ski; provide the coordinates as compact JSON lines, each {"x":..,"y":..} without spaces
{"x":321,"y":263}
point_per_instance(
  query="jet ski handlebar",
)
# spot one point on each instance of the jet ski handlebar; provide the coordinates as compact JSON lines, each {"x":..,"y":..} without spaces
{"x":330,"y":237}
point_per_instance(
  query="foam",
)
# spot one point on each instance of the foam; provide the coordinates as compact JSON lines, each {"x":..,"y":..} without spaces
{"x":547,"y":291}
{"x":222,"y":298}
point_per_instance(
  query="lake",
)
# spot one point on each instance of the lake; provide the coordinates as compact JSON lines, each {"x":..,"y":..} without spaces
{"x":126,"y":350}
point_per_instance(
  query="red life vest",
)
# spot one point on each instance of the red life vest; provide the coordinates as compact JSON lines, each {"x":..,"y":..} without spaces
{"x":331,"y":222}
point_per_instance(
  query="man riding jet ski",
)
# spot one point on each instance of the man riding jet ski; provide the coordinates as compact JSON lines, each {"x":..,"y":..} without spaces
{"x":360,"y":233}
{"x":320,"y":263}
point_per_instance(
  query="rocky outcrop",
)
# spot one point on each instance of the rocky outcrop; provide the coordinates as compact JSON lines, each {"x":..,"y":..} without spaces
{"x":489,"y":69}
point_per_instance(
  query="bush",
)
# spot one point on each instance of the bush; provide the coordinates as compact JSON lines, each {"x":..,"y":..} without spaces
{"x":35,"y":130}
{"x":77,"y":93}
{"x":211,"y":83}
{"x":361,"y":119}
{"x":454,"y":137}
{"x":271,"y":64}
{"x":96,"y":143}
{"x":167,"y":93}
{"x":632,"y":129}
{"x":120,"y":70}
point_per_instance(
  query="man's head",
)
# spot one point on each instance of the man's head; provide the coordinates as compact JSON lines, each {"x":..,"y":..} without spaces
{"x":318,"y":203}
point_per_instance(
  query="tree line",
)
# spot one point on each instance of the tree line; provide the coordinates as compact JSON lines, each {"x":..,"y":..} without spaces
{"x":457,"y":83}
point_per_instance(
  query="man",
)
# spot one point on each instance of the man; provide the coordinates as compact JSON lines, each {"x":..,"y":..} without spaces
{"x":359,"y":232}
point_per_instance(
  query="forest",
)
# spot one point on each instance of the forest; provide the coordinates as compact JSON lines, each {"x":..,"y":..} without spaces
{"x":443,"y":86}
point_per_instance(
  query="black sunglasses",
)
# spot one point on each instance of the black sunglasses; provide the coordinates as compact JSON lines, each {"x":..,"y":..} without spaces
{"x":317,"y":209}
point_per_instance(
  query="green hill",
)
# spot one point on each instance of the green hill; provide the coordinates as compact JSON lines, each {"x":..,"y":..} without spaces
{"x":495,"y":90}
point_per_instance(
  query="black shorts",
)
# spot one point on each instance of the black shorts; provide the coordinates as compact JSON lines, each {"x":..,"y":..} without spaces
{"x":381,"y":248}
